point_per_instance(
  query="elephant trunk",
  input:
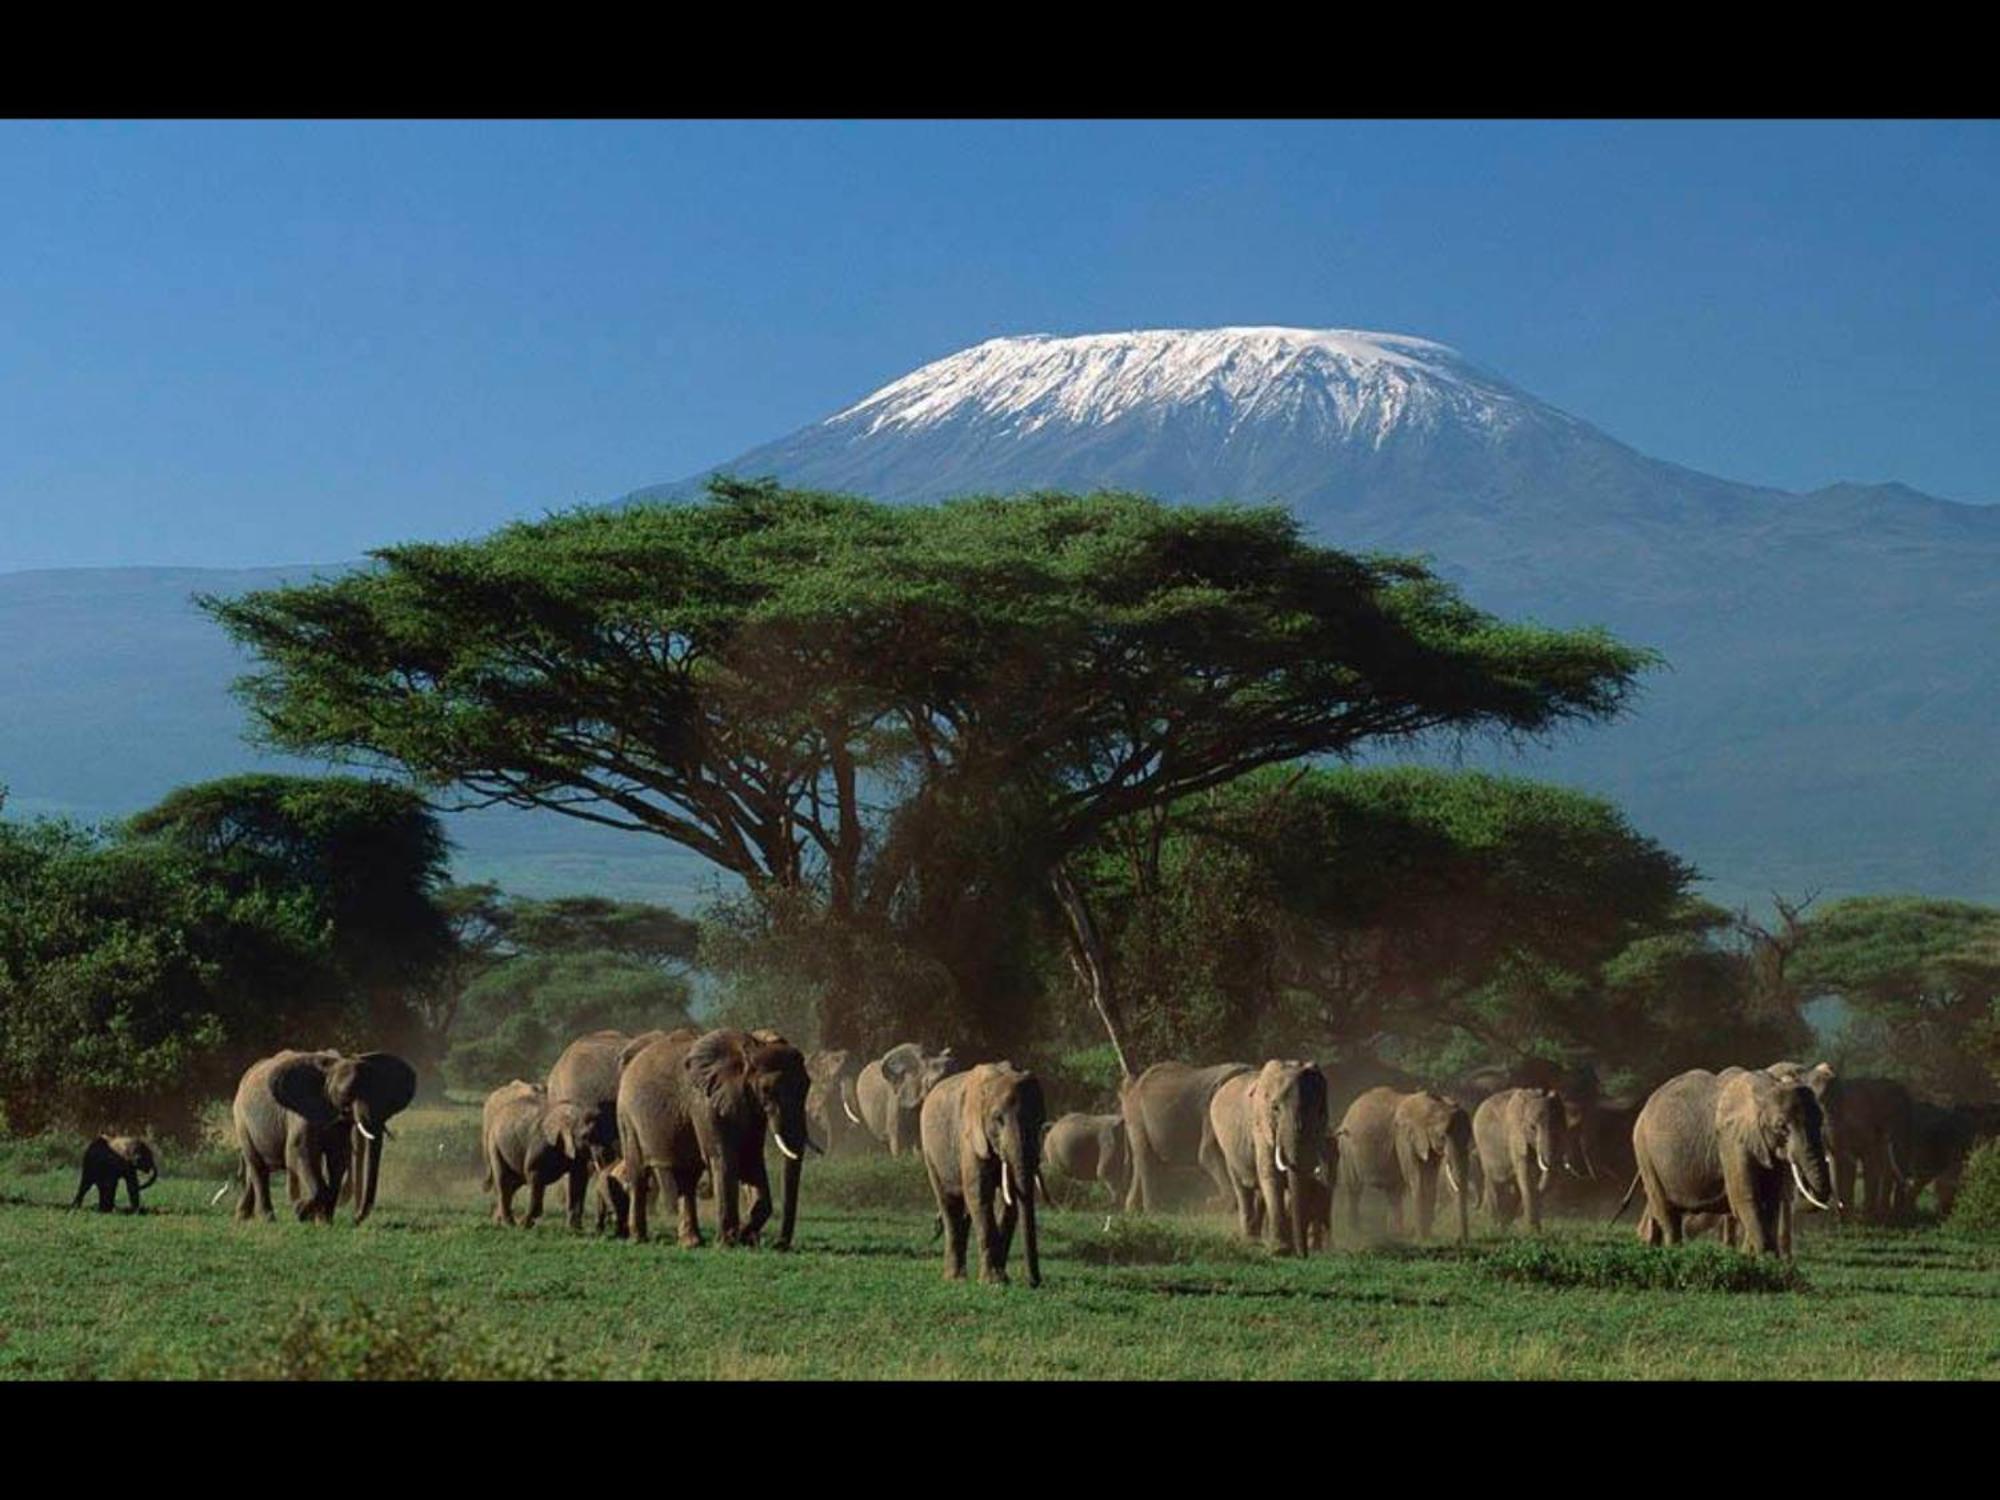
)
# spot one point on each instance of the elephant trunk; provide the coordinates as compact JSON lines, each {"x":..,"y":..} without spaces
{"x":1455,"y":1152}
{"x":367,"y":1167}
{"x":1019,"y":1149}
{"x":790,"y":1210}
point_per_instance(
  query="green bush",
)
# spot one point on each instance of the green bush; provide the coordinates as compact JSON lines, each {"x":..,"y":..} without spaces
{"x":1977,"y":1210}
{"x":1135,"y":1241}
{"x":419,"y":1340}
{"x":1681,"y":1268}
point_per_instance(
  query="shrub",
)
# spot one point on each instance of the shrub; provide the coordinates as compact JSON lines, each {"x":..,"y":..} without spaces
{"x":1133,"y":1241}
{"x":1682,"y":1268}
{"x":1977,"y":1210}
{"x":418,"y":1340}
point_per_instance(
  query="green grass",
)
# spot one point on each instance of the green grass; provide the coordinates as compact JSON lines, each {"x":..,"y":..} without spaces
{"x":431,"y":1289}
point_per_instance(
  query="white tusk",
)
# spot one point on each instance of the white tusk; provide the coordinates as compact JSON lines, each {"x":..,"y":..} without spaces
{"x":364,"y":1130}
{"x":1450,"y":1176}
{"x":219,"y":1192}
{"x":1800,"y":1180}
{"x":1006,"y":1191}
{"x":1278,"y":1150}
{"x":848,"y":1112}
{"x":790,"y":1154}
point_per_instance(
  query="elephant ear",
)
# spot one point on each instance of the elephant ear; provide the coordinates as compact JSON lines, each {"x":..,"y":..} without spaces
{"x":716,"y":1064}
{"x":300,"y":1086}
{"x":903,"y":1068}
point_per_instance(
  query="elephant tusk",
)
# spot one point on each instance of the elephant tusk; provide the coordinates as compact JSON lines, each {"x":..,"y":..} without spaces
{"x":1006,"y":1189}
{"x":790,"y":1154}
{"x":1450,"y":1176}
{"x":844,"y":1109}
{"x":1799,"y":1178}
{"x":219,"y":1192}
{"x":1278,"y":1150}
{"x":364,"y":1130}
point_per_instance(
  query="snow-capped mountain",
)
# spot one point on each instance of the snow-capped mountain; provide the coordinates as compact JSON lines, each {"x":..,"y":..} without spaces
{"x":1338,"y":384}
{"x":1827,"y":716}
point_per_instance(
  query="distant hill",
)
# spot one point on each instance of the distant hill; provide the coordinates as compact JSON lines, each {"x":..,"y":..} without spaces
{"x":1829,"y":719}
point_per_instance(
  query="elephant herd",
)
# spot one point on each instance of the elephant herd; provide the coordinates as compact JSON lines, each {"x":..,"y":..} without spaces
{"x":663,"y":1115}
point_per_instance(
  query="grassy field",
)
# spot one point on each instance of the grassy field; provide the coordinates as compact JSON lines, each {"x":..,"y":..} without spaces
{"x":430,"y":1288}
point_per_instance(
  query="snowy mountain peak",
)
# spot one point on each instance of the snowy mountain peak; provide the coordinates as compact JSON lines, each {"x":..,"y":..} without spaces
{"x":1342,"y":383}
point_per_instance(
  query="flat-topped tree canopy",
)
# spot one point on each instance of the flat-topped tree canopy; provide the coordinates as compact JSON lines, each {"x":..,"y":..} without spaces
{"x":713,"y":672}
{"x":726,"y":673}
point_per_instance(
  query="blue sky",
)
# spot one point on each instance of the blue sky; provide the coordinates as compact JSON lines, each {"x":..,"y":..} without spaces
{"x":240,"y":343}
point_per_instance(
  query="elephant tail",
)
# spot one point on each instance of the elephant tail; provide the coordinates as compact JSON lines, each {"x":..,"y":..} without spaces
{"x":1895,"y":1168}
{"x":1625,"y":1202}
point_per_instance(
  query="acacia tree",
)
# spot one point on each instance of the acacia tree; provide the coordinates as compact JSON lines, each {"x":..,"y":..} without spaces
{"x":1920,"y":979}
{"x":1301,"y":907}
{"x":821,"y":694}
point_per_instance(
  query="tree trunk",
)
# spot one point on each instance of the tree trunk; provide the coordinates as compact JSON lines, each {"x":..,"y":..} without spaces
{"x":1092,"y":964}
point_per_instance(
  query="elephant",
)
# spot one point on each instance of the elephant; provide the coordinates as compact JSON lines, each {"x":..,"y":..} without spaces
{"x":1089,"y":1148}
{"x":587,"y":1074}
{"x":1734,"y":1142}
{"x":614,"y":1197}
{"x":1520,"y":1134}
{"x":685,"y":1103}
{"x":1167,"y":1125}
{"x":1398,"y":1142}
{"x":981,"y":1132}
{"x":314,"y":1112}
{"x":1271,"y":1128}
{"x":833,"y":1102}
{"x":109,"y":1160}
{"x":890,"y":1091}
{"x":531,"y":1139}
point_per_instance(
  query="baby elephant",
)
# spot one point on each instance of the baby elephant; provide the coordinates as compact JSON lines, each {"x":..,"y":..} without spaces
{"x":613,"y":1189}
{"x":108,"y":1159}
{"x":530,"y":1141}
{"x":1089,"y":1148}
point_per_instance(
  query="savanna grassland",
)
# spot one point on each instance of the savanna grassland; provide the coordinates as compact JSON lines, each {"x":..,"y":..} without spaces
{"x":430,"y":1288}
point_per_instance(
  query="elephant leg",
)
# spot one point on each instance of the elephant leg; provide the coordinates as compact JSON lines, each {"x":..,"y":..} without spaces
{"x":759,"y":1182}
{"x":132,"y":1189}
{"x":1531,"y":1195}
{"x":1276,"y":1224}
{"x":1427,"y":1188}
{"x":722,"y":1172}
{"x":107,"y":1194}
{"x":537,"y":1189}
{"x":1246,"y":1211}
{"x":1350,"y":1189}
{"x":1210,"y":1159}
{"x":1843,"y":1180}
{"x":958,"y":1230}
{"x":1142,"y":1194}
{"x":991,"y":1266}
{"x":682,"y":1183}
